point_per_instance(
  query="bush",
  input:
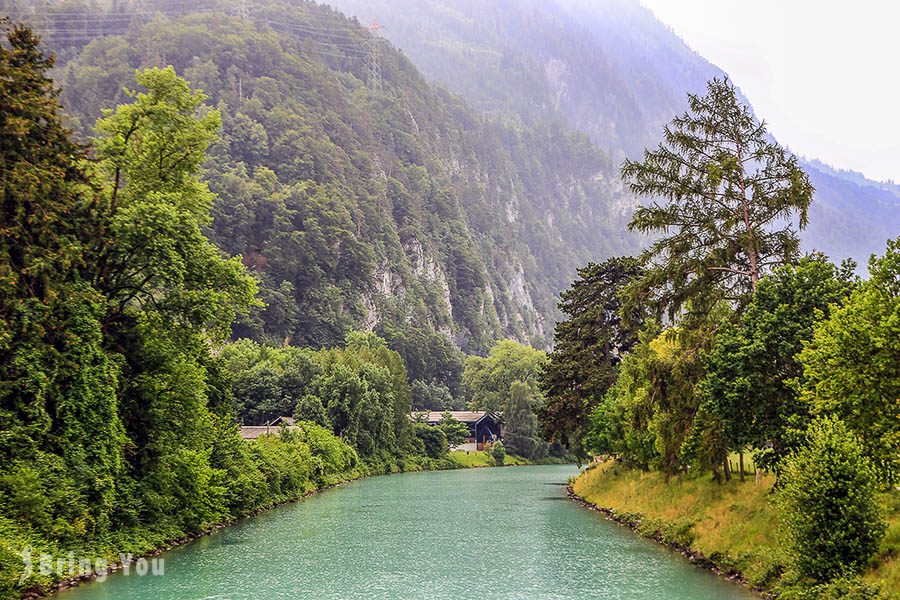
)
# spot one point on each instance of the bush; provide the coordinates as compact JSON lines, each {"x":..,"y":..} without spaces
{"x":829,"y":503}
{"x":846,"y":588}
{"x":498,"y":453}
{"x":842,"y":588}
{"x":332,"y":458}
{"x":434,"y":440}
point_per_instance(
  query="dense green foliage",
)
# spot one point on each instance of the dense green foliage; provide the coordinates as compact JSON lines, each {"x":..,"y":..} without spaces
{"x":455,"y":431}
{"x":829,"y":503}
{"x":792,"y":359}
{"x":118,"y":425}
{"x":851,"y":367}
{"x":498,"y":453}
{"x":507,"y":381}
{"x":590,"y":343}
{"x":487,"y":380}
{"x":749,"y":392}
{"x":118,"y":418}
{"x":361,"y":207}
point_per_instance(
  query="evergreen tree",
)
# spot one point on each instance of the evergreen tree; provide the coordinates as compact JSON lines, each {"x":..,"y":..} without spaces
{"x":590,"y":343}
{"x":58,"y":404}
{"x":727,"y":191}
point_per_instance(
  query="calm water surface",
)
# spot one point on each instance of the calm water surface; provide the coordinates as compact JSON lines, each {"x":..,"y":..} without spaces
{"x":478,"y":533}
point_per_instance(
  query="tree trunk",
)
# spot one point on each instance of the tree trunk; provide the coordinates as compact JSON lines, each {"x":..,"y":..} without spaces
{"x":741,"y":458}
{"x":726,"y":468}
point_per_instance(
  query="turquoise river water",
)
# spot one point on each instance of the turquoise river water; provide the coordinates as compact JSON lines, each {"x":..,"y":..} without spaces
{"x":479,"y":533}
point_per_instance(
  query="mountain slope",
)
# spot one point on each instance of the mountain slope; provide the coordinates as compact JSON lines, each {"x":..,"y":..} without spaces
{"x":390,"y":207}
{"x":610,"y":69}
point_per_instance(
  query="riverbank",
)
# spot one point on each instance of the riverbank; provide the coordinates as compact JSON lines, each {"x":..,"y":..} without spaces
{"x":384,"y":538}
{"x":732,"y":528}
{"x":469,"y":460}
{"x":146,"y":544}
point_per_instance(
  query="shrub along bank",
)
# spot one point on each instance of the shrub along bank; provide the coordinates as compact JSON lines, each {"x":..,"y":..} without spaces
{"x":734,"y":527}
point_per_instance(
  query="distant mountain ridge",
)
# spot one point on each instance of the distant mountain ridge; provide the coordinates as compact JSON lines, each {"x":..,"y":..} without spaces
{"x":608,"y":68}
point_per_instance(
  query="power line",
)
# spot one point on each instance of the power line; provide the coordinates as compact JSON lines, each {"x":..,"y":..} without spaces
{"x":336,"y":41}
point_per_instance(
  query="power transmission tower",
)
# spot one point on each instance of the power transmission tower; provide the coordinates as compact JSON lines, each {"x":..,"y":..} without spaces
{"x":374,"y":65}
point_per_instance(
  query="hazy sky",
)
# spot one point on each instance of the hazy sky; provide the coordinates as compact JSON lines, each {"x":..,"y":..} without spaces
{"x":825,"y":74}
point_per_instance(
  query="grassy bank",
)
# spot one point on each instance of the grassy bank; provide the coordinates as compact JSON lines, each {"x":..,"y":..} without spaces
{"x":733,"y":525}
{"x":483,"y":459}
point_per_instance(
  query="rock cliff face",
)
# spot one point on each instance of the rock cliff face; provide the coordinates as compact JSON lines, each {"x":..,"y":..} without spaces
{"x":368,"y":204}
{"x":368,"y":201}
{"x":607,"y":68}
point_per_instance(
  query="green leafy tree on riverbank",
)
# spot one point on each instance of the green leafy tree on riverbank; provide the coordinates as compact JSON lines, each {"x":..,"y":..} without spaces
{"x":748,"y":392}
{"x":455,"y":431}
{"x":487,"y":381}
{"x":851,"y":367}
{"x":829,"y":503}
{"x":520,"y":432}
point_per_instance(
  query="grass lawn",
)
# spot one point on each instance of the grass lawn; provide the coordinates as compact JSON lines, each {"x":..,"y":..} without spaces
{"x":735,"y":524}
{"x":483,"y":459}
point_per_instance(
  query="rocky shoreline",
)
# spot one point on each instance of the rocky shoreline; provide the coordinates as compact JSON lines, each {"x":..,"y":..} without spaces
{"x":692,"y":555}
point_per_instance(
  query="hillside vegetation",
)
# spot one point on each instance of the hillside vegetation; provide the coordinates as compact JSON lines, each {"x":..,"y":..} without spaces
{"x":609,"y":69}
{"x":724,"y":342}
{"x":120,"y":393}
{"x":389,"y":207}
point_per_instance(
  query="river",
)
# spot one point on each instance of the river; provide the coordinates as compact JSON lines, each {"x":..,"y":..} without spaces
{"x":506,"y":533}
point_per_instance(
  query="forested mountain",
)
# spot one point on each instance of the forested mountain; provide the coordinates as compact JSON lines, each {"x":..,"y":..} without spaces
{"x":359,"y":203}
{"x":373,"y":198}
{"x":610,"y":69}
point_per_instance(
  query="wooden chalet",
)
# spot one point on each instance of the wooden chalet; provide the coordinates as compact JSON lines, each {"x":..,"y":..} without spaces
{"x":484,"y":427}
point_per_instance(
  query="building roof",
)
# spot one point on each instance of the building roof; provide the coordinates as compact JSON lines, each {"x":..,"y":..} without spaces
{"x":252,"y":432}
{"x":466,"y":416}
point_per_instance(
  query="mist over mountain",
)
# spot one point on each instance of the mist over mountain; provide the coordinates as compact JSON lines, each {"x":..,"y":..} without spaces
{"x":460,"y":190}
{"x":610,"y":69}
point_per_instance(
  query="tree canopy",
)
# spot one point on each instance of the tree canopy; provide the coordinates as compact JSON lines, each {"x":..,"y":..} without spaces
{"x":590,"y":343}
{"x":722,"y":196}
